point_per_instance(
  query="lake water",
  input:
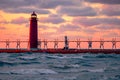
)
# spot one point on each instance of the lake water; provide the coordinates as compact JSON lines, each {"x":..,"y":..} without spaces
{"x":44,"y":66}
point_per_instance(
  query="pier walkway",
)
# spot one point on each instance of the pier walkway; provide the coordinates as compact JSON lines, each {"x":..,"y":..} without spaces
{"x":62,"y":51}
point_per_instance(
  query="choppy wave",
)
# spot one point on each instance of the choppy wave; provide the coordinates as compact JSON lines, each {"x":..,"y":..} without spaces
{"x":65,"y":66}
{"x":38,"y":66}
{"x":29,"y":71}
{"x":2,"y":64}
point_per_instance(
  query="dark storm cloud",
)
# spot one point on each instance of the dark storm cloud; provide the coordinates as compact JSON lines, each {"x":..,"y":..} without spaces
{"x":27,"y":10}
{"x":96,"y":21}
{"x":21,"y":6}
{"x":77,"y":11}
{"x":20,"y":20}
{"x":18,"y":6}
{"x":111,"y":10}
{"x":17,"y":3}
{"x":104,"y":1}
{"x":9,"y":4}
{"x":68,"y":27}
{"x":54,"y":19}
{"x":54,"y":3}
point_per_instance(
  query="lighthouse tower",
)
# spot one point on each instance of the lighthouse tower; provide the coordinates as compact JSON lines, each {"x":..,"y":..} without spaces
{"x":33,"y":36}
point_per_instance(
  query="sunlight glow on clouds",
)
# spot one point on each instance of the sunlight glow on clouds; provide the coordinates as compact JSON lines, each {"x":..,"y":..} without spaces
{"x":75,"y":18}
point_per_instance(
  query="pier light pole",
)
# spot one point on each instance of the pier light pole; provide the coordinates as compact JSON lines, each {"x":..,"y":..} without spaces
{"x":66,"y":43}
{"x":101,"y":43}
{"x":89,"y":44}
{"x":33,"y":36}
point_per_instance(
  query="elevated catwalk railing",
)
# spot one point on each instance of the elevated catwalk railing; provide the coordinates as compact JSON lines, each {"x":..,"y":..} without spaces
{"x":56,"y":43}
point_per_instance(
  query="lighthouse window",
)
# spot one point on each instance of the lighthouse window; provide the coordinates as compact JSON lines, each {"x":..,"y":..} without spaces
{"x":34,"y":16}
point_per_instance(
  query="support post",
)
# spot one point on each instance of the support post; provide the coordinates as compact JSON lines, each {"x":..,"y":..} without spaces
{"x":114,"y":43}
{"x":45,"y":44}
{"x":7,"y":43}
{"x":18,"y":44}
{"x":40,"y":43}
{"x":56,"y":44}
{"x":78,"y":43}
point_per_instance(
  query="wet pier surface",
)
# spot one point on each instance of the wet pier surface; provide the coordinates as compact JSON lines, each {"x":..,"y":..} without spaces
{"x":62,"y":51}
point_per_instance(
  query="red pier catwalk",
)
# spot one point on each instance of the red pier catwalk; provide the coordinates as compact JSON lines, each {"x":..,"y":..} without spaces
{"x":62,"y":51}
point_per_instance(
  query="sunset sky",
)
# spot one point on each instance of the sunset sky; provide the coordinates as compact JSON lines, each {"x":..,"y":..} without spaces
{"x":56,"y":18}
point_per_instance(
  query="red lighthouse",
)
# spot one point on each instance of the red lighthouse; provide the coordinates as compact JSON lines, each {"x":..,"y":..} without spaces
{"x":33,"y":36}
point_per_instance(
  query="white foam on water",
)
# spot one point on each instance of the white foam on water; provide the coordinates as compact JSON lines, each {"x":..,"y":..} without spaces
{"x":66,"y":57}
{"x":77,"y":57}
{"x":75,"y":66}
{"x":57,"y":57}
{"x":96,"y":70}
{"x":57,"y":78}
{"x":92,"y":70}
{"x":67,"y":66}
{"x":33,"y":71}
{"x":28,"y":57}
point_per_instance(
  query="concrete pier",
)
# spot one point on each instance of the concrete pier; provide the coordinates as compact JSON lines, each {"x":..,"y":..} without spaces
{"x":63,"y":51}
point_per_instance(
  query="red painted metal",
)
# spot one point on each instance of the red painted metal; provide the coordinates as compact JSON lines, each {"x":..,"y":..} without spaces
{"x":33,"y":36}
{"x":62,"y":51}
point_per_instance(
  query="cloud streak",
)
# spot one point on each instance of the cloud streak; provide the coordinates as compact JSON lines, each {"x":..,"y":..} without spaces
{"x":26,"y":10}
{"x":111,"y":10}
{"x":105,"y":1}
{"x":20,"y":20}
{"x":96,"y":21}
{"x":54,"y":19}
{"x":68,"y":27}
{"x":77,"y":11}
{"x":26,"y":6}
{"x":2,"y":28}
